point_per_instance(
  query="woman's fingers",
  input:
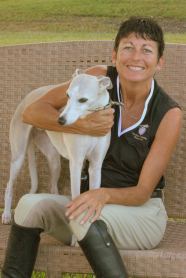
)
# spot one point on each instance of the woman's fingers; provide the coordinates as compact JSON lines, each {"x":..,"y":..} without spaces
{"x":92,"y":214}
{"x":97,"y":213}
{"x":77,"y":211}
{"x":88,"y":215}
{"x":98,"y":123}
{"x":90,"y":202}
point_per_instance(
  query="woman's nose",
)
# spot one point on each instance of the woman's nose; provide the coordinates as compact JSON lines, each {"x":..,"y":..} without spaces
{"x":136,"y":55}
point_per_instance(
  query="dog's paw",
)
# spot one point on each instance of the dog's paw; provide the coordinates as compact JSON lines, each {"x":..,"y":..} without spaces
{"x":6,"y":217}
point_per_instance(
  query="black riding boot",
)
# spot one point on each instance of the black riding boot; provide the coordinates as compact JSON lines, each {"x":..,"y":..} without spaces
{"x":102,"y":253}
{"x":21,"y":252}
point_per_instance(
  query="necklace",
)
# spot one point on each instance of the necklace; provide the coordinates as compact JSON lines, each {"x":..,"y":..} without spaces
{"x":127,"y":112}
{"x":131,"y":115}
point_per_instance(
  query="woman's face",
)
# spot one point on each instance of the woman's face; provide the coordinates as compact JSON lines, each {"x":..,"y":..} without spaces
{"x":136,"y":59}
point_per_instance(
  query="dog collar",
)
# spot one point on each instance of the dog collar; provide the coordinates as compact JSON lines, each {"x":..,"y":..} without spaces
{"x":110,"y":104}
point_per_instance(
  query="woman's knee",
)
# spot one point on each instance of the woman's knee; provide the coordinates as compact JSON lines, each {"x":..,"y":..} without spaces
{"x":78,"y":229}
{"x":30,"y":210}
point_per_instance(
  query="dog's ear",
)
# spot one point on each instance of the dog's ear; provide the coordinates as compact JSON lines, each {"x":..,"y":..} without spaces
{"x":105,"y":81}
{"x":77,"y":72}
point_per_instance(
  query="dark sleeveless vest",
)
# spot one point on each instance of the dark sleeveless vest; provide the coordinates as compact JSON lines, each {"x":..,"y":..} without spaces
{"x":129,"y":148}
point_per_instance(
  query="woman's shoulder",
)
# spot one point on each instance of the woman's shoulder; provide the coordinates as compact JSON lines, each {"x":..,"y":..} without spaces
{"x":161,"y":103}
{"x":162,"y":99}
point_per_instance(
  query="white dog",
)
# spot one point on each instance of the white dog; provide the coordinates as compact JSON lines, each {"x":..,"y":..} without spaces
{"x":86,"y":94}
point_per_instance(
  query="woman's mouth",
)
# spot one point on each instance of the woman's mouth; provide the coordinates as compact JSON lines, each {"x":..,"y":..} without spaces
{"x":135,"y":68}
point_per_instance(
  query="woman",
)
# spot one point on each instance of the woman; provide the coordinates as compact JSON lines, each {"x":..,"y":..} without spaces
{"x":127,"y":212}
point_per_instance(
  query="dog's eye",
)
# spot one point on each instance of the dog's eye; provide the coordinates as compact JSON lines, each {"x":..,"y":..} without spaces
{"x":81,"y":100}
{"x":67,"y":95}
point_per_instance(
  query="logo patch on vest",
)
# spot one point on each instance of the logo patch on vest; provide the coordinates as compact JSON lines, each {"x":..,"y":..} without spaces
{"x":141,"y":131}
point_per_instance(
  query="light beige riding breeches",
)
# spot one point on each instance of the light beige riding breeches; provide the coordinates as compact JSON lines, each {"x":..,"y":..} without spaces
{"x":131,"y":227}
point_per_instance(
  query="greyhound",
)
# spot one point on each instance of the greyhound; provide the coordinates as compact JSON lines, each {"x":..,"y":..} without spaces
{"x":86,"y":94}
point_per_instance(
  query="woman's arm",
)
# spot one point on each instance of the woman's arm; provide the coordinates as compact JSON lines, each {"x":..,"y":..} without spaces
{"x":156,"y":162}
{"x":44,"y":112}
{"x":154,"y":167}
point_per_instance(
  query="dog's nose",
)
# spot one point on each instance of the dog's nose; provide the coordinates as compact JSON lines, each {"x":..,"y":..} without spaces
{"x":62,"y":120}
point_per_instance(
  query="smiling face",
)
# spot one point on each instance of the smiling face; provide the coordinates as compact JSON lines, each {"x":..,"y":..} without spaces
{"x":136,"y":59}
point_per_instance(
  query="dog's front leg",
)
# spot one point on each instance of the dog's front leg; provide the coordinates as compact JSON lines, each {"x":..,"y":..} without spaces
{"x":6,"y":216}
{"x":96,"y":158}
{"x":75,"y":176}
{"x":94,"y":173}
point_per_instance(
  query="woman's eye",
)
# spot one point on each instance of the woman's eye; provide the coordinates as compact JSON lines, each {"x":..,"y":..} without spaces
{"x":146,"y":50}
{"x":82,"y":100}
{"x":128,"y":48}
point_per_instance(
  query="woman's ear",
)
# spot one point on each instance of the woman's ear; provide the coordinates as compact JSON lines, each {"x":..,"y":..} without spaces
{"x":114,"y":54}
{"x":160,"y":63}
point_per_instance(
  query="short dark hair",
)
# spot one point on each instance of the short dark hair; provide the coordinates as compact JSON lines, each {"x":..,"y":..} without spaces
{"x":145,"y":27}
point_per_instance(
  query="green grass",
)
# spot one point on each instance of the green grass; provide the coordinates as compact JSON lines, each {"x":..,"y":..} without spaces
{"x":12,"y":38}
{"x":67,"y":275}
{"x":29,"y":10}
{"x":8,"y":38}
{"x":175,"y":38}
{"x":31,"y":21}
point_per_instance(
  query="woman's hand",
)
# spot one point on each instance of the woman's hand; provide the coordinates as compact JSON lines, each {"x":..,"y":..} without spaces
{"x":91,"y":201}
{"x":95,"y":124}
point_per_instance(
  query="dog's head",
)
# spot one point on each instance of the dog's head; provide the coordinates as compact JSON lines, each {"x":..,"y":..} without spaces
{"x":86,"y":92}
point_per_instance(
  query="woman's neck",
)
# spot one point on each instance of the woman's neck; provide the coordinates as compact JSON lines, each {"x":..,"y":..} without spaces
{"x":134,"y":92}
